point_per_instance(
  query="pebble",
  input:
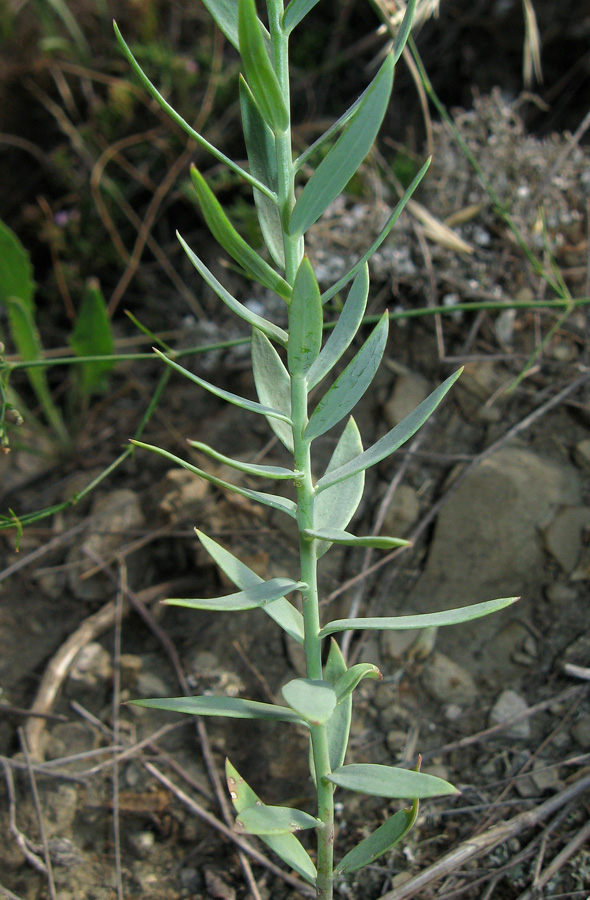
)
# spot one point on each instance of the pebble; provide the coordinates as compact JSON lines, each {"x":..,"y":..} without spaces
{"x":91,"y":668}
{"x":447,"y":681}
{"x":410,"y":390}
{"x":561,"y":592}
{"x":402,"y":513}
{"x":563,"y":536}
{"x":396,"y":740}
{"x":151,"y":685}
{"x":508,"y":705}
{"x":581,"y":732}
{"x":582,"y":454}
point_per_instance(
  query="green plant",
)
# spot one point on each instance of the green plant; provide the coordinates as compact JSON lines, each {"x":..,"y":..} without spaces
{"x":287,"y":366}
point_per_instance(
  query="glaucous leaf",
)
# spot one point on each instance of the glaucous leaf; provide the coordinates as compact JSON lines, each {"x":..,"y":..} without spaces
{"x":350,"y":386}
{"x":335,"y":507}
{"x":268,"y":328}
{"x":421,"y":620}
{"x":260,"y":74}
{"x":225,"y":15}
{"x":335,"y":536}
{"x":305,"y":320}
{"x":390,"y":441}
{"x":346,"y":327}
{"x":349,"y":680}
{"x":284,"y":613}
{"x":278,"y":473}
{"x":389,"y":781}
{"x":338,"y":726}
{"x":233,"y":243}
{"x":273,"y":385}
{"x":404,"y":30}
{"x":339,"y":165}
{"x":314,"y":701}
{"x":229,"y":707}
{"x":286,"y":846}
{"x":264,"y":820}
{"x":295,"y":12}
{"x":379,"y":842}
{"x":250,"y":598}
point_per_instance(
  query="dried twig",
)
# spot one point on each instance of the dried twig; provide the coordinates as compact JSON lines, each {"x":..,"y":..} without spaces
{"x":42,"y":833}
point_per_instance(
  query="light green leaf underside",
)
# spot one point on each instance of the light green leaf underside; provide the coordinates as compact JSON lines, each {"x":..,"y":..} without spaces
{"x":260,"y":147}
{"x":250,"y":598}
{"x":229,"y":707}
{"x":273,"y":385}
{"x":233,"y":243}
{"x":272,"y":500}
{"x":260,"y":74}
{"x":344,"y":331}
{"x":314,"y":701}
{"x":305,"y":320}
{"x":278,"y":473}
{"x":335,"y":507}
{"x":235,"y":399}
{"x":379,"y":842}
{"x":342,"y":282}
{"x":353,"y":676}
{"x":392,"y":440}
{"x":268,"y":328}
{"x":225,"y":15}
{"x":286,"y":846}
{"x":350,"y":386}
{"x":388,"y":781}
{"x":338,"y":726}
{"x":270,"y":820}
{"x":295,"y":12}
{"x":281,"y":611}
{"x":337,"y":168}
{"x":335,"y":536}
{"x":422,"y":620}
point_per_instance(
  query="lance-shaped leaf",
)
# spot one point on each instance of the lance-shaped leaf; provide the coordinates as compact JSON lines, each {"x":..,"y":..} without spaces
{"x":259,"y":72}
{"x":335,"y":536}
{"x":390,"y":441}
{"x":273,"y":385}
{"x":284,"y":613}
{"x":389,"y":781}
{"x":350,"y":386}
{"x":229,"y":707}
{"x":267,"y":820}
{"x":235,"y":399}
{"x":305,"y":320}
{"x":295,"y":12}
{"x":349,"y":680}
{"x":342,"y":282}
{"x":379,"y":842}
{"x":275,"y":502}
{"x":422,"y":620}
{"x":314,"y":701}
{"x":260,"y":147}
{"x":250,"y":598}
{"x":335,"y":507}
{"x":225,"y":14}
{"x":338,"y":726}
{"x":286,"y":846}
{"x":233,"y":243}
{"x":404,"y":30}
{"x":337,"y":168}
{"x":346,"y":327}
{"x":278,"y":473}
{"x":268,"y":328}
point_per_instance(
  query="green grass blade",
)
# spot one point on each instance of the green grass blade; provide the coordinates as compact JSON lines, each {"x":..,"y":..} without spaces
{"x":305,"y":320}
{"x":336,"y":536}
{"x":260,"y":74}
{"x":271,"y":820}
{"x":314,"y":701}
{"x":350,"y":386}
{"x":278,"y":473}
{"x":335,"y":507}
{"x":337,"y":168}
{"x":379,"y":842}
{"x":92,"y":336}
{"x":273,"y":386}
{"x":388,"y":781}
{"x":295,"y":12}
{"x":229,"y":707}
{"x":392,"y":440}
{"x":421,"y":620}
{"x":250,"y":598}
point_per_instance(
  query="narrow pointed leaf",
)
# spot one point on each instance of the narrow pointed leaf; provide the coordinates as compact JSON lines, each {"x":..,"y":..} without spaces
{"x":305,"y":320}
{"x":345,"y":329}
{"x":379,"y":842}
{"x":268,"y":328}
{"x":295,"y":12}
{"x":92,"y":336}
{"x":270,"y":820}
{"x":335,"y":536}
{"x":314,"y":701}
{"x":235,"y":399}
{"x":337,"y":168}
{"x":390,"y":441}
{"x":335,"y":507}
{"x":422,"y":620}
{"x":278,"y":473}
{"x":353,"y":676}
{"x":275,"y":502}
{"x":342,"y":282}
{"x":229,"y":707}
{"x":250,"y":598}
{"x":273,"y":385}
{"x":404,"y":31}
{"x":286,"y":846}
{"x":350,"y":386}
{"x":284,"y":613}
{"x":338,"y":726}
{"x":260,"y":74}
{"x":260,"y":147}
{"x":388,"y":781}
{"x":225,"y":14}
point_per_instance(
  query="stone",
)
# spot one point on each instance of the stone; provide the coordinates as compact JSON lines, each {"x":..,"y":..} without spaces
{"x":182,"y":491}
{"x":151,"y":685}
{"x":446,"y":681}
{"x":508,"y":705}
{"x":580,"y":731}
{"x":559,"y":592}
{"x":402,"y":513}
{"x":409,"y":391}
{"x":563,"y":535}
{"x":396,"y":741}
{"x":582,"y":454}
{"x":91,"y":669}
